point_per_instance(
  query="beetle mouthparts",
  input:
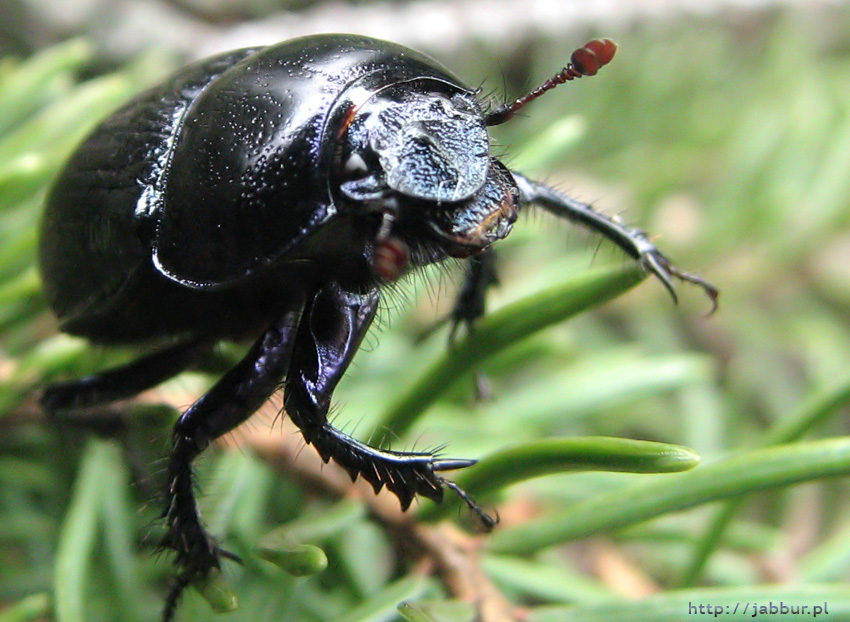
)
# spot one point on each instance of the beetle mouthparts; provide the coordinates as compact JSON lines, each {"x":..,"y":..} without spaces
{"x":476,"y":224}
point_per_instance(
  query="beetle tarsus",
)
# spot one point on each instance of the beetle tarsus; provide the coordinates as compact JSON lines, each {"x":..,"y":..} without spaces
{"x":471,"y":302}
{"x":196,"y":551}
{"x":470,"y":305}
{"x":178,"y":586}
{"x":487,"y":522}
{"x":710,"y":288}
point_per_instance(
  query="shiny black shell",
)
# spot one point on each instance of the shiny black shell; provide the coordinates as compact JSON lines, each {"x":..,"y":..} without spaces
{"x":192,"y":207}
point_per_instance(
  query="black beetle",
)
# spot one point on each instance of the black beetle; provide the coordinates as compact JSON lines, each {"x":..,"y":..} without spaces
{"x":266,"y":195}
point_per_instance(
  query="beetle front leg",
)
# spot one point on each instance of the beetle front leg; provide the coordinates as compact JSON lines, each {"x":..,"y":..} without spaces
{"x":334,"y":327}
{"x":632,"y":240}
{"x":234,"y":398}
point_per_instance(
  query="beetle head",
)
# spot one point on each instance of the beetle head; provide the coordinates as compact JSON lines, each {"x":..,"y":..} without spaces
{"x":422,"y":159}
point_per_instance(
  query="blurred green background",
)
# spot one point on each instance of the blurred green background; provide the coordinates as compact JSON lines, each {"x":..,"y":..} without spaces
{"x":726,"y":134}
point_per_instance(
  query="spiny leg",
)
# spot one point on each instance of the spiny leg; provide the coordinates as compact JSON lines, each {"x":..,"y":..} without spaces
{"x":123,"y":382}
{"x":234,"y":398}
{"x":471,"y":301}
{"x":632,"y":240}
{"x":471,"y":304}
{"x":333,"y":328}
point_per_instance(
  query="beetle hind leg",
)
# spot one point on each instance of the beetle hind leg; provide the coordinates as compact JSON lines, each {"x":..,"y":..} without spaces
{"x":233,"y":399}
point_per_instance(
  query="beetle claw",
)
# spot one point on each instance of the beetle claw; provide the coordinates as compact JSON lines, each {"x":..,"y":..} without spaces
{"x":450,"y":464}
{"x":658,"y":265}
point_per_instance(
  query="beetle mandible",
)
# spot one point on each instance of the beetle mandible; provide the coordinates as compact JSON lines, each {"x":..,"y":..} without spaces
{"x":266,"y":195}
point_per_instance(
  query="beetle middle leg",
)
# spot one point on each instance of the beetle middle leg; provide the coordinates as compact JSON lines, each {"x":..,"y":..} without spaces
{"x":471,"y":298}
{"x":632,"y":240}
{"x":123,"y":382}
{"x":331,"y":333}
{"x":471,"y":304}
{"x":233,"y":399}
{"x":471,"y":301}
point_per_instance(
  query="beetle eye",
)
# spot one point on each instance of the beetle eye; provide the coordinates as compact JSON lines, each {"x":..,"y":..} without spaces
{"x":464,"y":103}
{"x":361,"y":178}
{"x":355,"y":167}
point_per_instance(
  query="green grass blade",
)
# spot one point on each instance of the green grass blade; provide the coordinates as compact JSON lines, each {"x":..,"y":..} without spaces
{"x":439,"y":611}
{"x":119,"y":534}
{"x":299,"y":560}
{"x":829,"y":560}
{"x":819,"y":407}
{"x":57,"y":128}
{"x":317,"y":525}
{"x":822,"y":404}
{"x":383,"y":606}
{"x":557,"y":455}
{"x":543,"y":581}
{"x":77,"y":538}
{"x":29,"y":609}
{"x":38,"y":80}
{"x":743,"y":473}
{"x":504,"y":328}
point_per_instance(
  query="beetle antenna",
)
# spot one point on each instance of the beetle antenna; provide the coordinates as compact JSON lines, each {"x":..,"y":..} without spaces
{"x":585,"y":61}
